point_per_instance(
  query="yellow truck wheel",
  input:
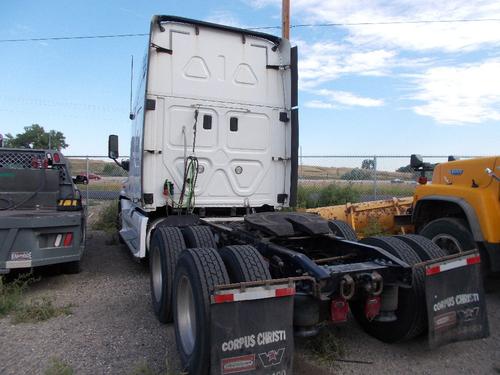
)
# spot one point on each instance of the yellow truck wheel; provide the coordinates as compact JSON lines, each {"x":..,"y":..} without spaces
{"x":450,"y":234}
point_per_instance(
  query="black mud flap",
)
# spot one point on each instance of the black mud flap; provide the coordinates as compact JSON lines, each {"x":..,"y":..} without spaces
{"x":456,"y":306}
{"x":252,"y":330}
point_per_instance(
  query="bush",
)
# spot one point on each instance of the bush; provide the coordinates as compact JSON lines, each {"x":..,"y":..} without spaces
{"x":11,"y":293}
{"x":330,"y":195}
{"x":357,"y":174}
{"x":111,"y":169}
{"x":107,"y":219}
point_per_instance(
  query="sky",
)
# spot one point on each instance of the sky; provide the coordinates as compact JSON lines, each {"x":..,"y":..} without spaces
{"x":386,"y":89}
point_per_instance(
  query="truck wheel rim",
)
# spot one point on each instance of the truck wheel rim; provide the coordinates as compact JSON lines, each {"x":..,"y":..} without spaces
{"x":186,"y":315}
{"x":448,"y":243}
{"x":156,"y":274}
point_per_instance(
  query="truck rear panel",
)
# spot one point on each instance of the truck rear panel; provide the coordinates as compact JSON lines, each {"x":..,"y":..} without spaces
{"x":31,"y":239}
{"x":219,"y":95}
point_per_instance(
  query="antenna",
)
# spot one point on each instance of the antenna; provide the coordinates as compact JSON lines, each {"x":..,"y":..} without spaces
{"x":131,"y":115}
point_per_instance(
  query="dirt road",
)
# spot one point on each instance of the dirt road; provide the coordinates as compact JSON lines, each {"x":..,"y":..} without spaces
{"x":112,"y":330}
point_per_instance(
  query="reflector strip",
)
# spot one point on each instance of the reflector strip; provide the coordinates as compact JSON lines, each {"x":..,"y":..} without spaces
{"x":256,"y":293}
{"x":221,"y":298}
{"x":432,"y":270}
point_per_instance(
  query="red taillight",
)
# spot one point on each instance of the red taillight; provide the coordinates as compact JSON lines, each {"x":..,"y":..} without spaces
{"x":372,"y":307}
{"x":339,"y":310}
{"x":68,"y":239}
{"x":56,"y":157}
{"x":422,"y":180}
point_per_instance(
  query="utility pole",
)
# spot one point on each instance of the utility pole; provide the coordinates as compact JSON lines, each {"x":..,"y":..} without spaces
{"x":285,"y":19}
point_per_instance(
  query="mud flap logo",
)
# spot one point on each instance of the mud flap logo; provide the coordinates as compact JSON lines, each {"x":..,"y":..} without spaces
{"x":242,"y":363}
{"x":468,"y":315}
{"x":272,"y":357}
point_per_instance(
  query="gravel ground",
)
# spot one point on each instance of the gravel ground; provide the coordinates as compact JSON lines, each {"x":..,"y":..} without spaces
{"x":112,"y":330}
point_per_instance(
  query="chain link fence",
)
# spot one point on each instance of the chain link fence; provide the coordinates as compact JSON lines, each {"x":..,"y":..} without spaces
{"x":338,"y":179}
{"x":323,"y":180}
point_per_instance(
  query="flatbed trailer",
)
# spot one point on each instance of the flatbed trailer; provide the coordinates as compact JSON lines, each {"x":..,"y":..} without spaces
{"x":212,"y":173}
{"x":42,"y":220}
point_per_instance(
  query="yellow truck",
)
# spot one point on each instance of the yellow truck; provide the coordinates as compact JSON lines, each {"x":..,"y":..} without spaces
{"x":460,"y":209}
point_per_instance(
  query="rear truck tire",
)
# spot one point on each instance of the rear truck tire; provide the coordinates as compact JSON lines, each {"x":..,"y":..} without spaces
{"x":166,"y":245}
{"x":244,"y":263}
{"x":72,"y":268}
{"x":197,"y":273}
{"x":342,"y":229}
{"x":450,"y":234}
{"x":425,"y":248}
{"x":199,"y":236}
{"x":411,"y":316}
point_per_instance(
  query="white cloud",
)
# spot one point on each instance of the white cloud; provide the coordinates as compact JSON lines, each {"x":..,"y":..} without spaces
{"x":450,"y":91}
{"x":327,"y":61}
{"x":335,"y":99}
{"x":450,"y":37}
{"x":224,"y":17}
{"x":469,"y":93}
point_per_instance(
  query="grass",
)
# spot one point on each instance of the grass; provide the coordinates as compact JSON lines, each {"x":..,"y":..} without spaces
{"x":58,"y":367}
{"x":373,"y":228}
{"x":11,"y":302}
{"x":11,"y":293}
{"x":102,"y":186}
{"x":320,"y":195}
{"x":39,"y":311}
{"x":143,"y":369}
{"x":107,"y":217}
{"x":325,"y":348}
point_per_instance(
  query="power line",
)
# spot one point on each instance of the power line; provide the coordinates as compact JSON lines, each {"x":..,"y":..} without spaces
{"x":333,"y":24}
{"x":72,"y":37}
{"x":379,"y":23}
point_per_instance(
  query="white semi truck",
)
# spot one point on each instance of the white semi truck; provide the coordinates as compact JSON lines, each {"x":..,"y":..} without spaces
{"x":212,"y":171}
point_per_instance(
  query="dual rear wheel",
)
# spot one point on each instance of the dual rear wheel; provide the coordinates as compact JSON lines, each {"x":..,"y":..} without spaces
{"x":185,"y":267}
{"x":411,"y":315}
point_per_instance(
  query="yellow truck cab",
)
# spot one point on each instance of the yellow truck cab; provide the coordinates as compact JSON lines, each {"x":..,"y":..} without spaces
{"x":460,"y":209}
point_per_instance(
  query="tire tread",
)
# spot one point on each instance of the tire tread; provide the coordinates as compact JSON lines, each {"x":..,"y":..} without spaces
{"x":251,"y":265}
{"x":342,"y":229}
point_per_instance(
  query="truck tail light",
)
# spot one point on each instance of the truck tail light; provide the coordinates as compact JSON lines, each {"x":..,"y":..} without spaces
{"x":339,"y":309}
{"x":68,"y":239}
{"x":372,"y":307}
{"x":422,"y":180}
{"x":56,"y":157}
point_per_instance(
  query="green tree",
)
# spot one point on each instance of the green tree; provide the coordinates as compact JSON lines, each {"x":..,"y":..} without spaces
{"x":35,"y":136}
{"x":405,"y":169}
{"x":357,"y":174}
{"x":368,"y":164}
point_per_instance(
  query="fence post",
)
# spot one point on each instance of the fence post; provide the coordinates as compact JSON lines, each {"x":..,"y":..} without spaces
{"x":375,"y":177}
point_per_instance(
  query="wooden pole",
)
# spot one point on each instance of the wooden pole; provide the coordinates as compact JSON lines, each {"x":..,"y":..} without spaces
{"x":285,"y":19}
